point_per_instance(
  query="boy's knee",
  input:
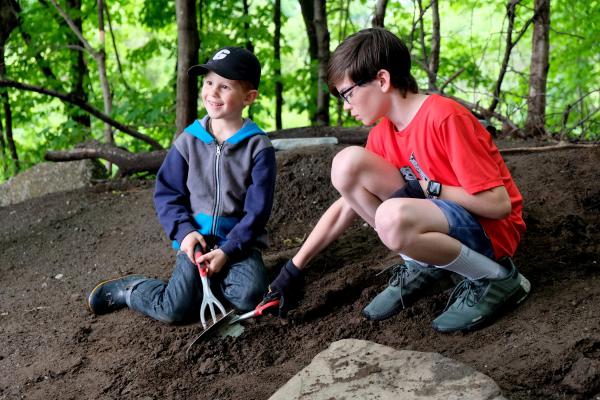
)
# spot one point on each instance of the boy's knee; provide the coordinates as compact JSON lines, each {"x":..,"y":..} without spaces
{"x":395,"y":224}
{"x":246,"y":297}
{"x":173,"y":316}
{"x":345,"y":166}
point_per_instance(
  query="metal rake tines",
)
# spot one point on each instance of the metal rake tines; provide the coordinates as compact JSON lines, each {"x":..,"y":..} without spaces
{"x":209,"y":300}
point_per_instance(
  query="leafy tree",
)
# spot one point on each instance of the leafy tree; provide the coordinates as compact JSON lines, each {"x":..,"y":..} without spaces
{"x":53,"y":87}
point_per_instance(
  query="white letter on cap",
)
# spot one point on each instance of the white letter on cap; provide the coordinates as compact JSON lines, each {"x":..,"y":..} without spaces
{"x":221,"y":54}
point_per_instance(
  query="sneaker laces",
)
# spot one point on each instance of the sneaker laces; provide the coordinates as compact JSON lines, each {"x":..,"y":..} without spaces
{"x":399,"y":273}
{"x":467,"y":292}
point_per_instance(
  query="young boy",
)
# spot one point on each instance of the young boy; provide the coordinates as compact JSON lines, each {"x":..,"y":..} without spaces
{"x":430,"y":182}
{"x":214,"y":188}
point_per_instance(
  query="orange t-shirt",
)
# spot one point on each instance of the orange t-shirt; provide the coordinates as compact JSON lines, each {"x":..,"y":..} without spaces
{"x":446,"y":143}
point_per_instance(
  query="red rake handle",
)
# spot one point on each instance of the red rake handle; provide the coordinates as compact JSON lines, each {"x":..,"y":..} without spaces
{"x":260,"y":309}
{"x":202,"y":269}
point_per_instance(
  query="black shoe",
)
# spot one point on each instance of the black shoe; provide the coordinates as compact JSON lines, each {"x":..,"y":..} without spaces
{"x":409,"y":282}
{"x":109,"y":296}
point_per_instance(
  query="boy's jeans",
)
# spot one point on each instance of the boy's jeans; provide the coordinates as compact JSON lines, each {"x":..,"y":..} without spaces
{"x":242,"y":284}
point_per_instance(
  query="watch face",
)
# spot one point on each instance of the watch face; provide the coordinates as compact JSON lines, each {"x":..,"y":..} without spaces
{"x":434,"y":188}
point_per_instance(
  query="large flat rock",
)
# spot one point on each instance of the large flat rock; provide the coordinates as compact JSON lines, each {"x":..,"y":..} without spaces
{"x":359,"y":369}
{"x":49,"y":177}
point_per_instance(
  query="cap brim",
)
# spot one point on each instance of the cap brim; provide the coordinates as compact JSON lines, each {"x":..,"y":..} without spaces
{"x":197,"y":70}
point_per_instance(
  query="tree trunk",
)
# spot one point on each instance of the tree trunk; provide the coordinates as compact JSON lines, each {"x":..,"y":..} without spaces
{"x":8,"y":116}
{"x":79,"y":71}
{"x":277,"y":65}
{"x":247,"y":35}
{"x":434,"y":59}
{"x":188,"y":45}
{"x":536,"y":102}
{"x":101,"y":60}
{"x":322,"y":32}
{"x":8,"y":22}
{"x":3,"y":162}
{"x":379,"y":14}
{"x":308,"y":14}
{"x":249,"y":45}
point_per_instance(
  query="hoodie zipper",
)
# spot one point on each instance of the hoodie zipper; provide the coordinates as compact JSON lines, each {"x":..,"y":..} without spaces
{"x":217,"y":188}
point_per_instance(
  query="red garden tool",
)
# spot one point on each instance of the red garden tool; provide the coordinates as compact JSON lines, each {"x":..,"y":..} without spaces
{"x":208,"y":299}
{"x":224,"y":325}
{"x":258,"y":311}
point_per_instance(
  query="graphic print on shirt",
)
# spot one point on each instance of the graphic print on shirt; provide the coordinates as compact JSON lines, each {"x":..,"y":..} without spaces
{"x":415,"y":164}
{"x":407,"y":173}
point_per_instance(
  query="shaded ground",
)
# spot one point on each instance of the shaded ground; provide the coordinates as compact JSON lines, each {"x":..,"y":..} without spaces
{"x":54,"y":249}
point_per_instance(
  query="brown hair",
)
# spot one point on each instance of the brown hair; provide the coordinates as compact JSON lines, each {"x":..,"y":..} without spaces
{"x":247,"y":85}
{"x":361,"y":55}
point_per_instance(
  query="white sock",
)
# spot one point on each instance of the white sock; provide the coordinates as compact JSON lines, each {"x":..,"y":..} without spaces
{"x":474,"y":265}
{"x":407,"y":258}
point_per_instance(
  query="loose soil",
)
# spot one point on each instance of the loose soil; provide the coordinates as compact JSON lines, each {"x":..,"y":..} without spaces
{"x":55,"y":249}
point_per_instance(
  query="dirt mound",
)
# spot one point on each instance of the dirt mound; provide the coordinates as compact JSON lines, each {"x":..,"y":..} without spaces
{"x":55,"y":248}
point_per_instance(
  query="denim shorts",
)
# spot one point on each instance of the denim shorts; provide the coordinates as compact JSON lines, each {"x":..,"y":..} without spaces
{"x":464,"y":227}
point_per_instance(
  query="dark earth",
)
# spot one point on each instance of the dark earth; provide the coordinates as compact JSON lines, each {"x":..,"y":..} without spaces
{"x":55,"y":249}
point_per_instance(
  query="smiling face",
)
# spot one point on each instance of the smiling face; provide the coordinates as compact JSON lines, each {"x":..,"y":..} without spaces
{"x":225,"y":98}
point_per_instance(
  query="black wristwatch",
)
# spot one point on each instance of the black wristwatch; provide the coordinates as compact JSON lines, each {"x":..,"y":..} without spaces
{"x":434,"y":189}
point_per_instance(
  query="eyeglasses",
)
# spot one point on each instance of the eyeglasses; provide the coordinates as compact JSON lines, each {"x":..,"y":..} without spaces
{"x":347,"y":93}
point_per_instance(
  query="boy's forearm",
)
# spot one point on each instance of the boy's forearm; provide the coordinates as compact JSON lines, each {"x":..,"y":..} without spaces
{"x":492,"y":203}
{"x":338,"y":217}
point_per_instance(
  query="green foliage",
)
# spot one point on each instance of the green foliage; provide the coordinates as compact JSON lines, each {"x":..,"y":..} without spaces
{"x":42,"y":52}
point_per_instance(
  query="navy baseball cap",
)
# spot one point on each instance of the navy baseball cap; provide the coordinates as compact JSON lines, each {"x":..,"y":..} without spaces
{"x":233,"y":63}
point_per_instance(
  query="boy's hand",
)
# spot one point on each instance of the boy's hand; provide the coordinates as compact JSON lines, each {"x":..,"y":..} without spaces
{"x":189,"y":242}
{"x":286,"y":287}
{"x":216,"y":260}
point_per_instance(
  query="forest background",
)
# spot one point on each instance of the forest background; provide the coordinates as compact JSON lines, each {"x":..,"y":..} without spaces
{"x":106,"y":78}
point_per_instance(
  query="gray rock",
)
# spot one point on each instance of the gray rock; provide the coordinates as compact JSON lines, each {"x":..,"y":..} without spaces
{"x":49,"y":177}
{"x":294,"y":143}
{"x":359,"y":369}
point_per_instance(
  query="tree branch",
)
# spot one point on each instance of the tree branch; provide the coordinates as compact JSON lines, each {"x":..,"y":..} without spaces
{"x":74,"y":28}
{"x":565,"y":117}
{"x":583,"y":120}
{"x":128,"y":163}
{"x":114,"y":42}
{"x":451,"y":78}
{"x":84,"y":106}
{"x":511,"y":13}
{"x":559,"y":146}
{"x":476,"y":107}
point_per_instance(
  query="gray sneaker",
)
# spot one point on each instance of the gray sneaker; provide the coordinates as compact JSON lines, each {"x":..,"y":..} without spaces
{"x":474,"y":304}
{"x":409,"y":282}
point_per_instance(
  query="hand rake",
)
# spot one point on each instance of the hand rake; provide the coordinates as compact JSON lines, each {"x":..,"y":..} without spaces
{"x":208,"y":298}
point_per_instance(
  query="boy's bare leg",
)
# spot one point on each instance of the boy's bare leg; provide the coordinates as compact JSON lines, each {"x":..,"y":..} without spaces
{"x":364,"y":180}
{"x":417,"y":228}
{"x":338,"y":217}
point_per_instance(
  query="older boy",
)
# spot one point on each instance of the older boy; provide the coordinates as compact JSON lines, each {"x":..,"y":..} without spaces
{"x":430,"y":182}
{"x":214,"y":188}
